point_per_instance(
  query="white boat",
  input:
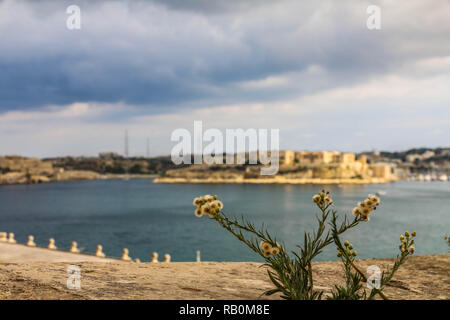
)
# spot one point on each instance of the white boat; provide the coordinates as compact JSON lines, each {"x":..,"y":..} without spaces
{"x":381,"y":193}
{"x":443,"y":177}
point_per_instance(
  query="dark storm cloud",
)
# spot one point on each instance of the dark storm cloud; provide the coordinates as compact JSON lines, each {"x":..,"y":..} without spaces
{"x":213,"y":6}
{"x":173,"y":53}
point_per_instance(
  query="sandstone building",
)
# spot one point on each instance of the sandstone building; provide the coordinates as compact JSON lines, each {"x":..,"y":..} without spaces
{"x":332,"y":164}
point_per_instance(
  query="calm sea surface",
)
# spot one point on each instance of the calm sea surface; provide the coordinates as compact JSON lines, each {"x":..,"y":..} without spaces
{"x":147,"y":217}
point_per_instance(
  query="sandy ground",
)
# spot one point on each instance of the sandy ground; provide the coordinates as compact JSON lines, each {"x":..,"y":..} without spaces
{"x":422,"y":277}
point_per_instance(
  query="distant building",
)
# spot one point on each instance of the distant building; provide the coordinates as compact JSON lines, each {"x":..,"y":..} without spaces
{"x":428,"y":154}
{"x":383,"y":171}
{"x":320,"y":157}
{"x":289,"y":157}
{"x":317,"y":157}
{"x":334,"y":164}
{"x":29,"y":165}
{"x":109,"y":155}
{"x":347,"y":158}
{"x":413,"y":157}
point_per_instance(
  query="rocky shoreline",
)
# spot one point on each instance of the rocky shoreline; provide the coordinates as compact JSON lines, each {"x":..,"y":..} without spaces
{"x":355,"y":172}
{"x":21,"y":170}
{"x":26,"y":178}
{"x":74,"y":176}
{"x":275,"y":180}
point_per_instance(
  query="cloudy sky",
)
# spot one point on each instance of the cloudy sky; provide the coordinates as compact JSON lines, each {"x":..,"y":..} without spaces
{"x":310,"y":68}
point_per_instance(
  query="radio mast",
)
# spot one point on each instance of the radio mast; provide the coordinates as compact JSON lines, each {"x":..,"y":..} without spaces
{"x":126,"y":144}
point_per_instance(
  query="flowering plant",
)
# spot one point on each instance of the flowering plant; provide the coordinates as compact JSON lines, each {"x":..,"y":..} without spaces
{"x":292,"y":275}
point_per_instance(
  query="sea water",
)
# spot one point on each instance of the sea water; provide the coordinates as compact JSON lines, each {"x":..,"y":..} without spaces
{"x":148,"y":217}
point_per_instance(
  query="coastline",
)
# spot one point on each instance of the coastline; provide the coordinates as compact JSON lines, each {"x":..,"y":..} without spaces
{"x":84,"y":178}
{"x":130,"y":176}
{"x":276,"y":180}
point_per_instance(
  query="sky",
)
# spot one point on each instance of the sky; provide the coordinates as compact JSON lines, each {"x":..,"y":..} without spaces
{"x":311,"y":69}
